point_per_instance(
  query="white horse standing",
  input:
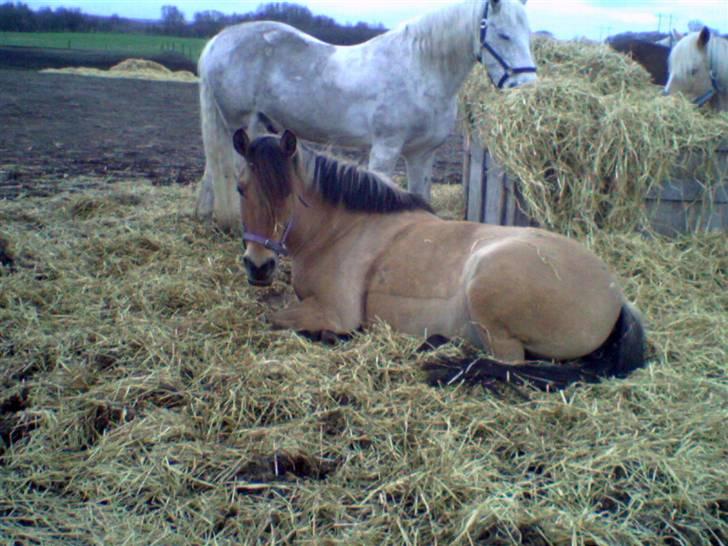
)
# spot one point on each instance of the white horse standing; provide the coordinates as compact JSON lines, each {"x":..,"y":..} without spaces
{"x":396,"y":93}
{"x":698,"y":67}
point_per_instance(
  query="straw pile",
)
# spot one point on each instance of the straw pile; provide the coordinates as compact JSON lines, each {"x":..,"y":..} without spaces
{"x":144,"y":399}
{"x":590,"y":140}
{"x":140,"y":69}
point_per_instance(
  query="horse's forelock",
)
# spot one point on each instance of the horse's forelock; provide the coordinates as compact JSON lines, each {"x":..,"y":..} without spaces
{"x":272,"y":170}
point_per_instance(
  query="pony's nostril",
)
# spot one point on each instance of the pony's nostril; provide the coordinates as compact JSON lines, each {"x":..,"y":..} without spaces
{"x":259,"y":275}
{"x":248,"y":264}
{"x":268,"y":267}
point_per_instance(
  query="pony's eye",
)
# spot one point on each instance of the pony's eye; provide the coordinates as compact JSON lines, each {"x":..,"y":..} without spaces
{"x":240,"y":190}
{"x":504,"y":37}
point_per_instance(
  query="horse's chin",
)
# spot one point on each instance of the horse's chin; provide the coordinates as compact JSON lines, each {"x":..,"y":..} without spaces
{"x":260,"y":283}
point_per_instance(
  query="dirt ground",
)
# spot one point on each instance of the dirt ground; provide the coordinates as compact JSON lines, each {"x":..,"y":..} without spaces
{"x":72,"y":130}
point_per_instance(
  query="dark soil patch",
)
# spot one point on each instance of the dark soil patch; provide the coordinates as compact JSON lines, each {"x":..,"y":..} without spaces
{"x":7,"y":259}
{"x":60,"y":128}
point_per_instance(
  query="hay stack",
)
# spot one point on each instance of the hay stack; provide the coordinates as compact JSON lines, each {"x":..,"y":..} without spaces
{"x":592,"y":137}
{"x":139,"y":69}
{"x":134,"y":65}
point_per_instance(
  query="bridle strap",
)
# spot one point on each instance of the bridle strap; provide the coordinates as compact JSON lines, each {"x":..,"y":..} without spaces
{"x":278,"y":247}
{"x":702,"y":99}
{"x":508,"y":71}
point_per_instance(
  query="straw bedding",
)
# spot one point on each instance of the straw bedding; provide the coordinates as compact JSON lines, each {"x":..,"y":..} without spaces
{"x":590,"y":140}
{"x":145,"y":399}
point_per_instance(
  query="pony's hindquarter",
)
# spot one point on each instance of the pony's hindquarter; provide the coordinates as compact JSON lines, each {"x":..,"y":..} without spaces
{"x":623,"y":352}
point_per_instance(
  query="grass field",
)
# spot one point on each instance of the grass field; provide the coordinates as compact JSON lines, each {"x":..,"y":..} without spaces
{"x":133,"y":44}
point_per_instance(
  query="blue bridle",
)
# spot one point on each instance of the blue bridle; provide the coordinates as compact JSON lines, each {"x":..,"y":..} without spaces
{"x":508,"y":70}
{"x":702,"y":99}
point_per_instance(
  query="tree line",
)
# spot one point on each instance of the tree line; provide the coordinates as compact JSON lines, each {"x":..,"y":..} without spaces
{"x":18,"y":17}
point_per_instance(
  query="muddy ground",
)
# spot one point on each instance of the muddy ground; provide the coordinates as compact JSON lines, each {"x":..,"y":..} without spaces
{"x":68,"y":131}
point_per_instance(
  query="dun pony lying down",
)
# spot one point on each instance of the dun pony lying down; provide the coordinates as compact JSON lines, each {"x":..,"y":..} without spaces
{"x":363,"y":249}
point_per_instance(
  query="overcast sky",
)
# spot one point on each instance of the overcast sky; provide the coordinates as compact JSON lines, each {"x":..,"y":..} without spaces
{"x":594,"y":19}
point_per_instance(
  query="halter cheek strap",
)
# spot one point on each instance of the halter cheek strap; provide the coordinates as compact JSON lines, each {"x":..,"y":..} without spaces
{"x":278,"y":247}
{"x":508,"y":70}
{"x":702,"y":99}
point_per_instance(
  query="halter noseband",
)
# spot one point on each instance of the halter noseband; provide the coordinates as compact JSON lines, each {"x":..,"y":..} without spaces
{"x":278,"y":247}
{"x":508,"y":71}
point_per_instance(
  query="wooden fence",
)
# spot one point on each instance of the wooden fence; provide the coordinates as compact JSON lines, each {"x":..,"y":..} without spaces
{"x":678,"y":206}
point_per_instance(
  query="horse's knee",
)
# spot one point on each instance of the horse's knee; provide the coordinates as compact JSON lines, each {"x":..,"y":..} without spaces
{"x":205,"y":200}
{"x":419,"y":174}
{"x":383,"y":158}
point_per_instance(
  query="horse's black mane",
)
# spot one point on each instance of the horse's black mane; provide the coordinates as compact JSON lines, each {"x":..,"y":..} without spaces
{"x":358,"y":189}
{"x":338,"y":182}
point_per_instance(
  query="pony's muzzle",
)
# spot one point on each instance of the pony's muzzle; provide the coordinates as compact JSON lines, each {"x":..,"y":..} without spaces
{"x":260,"y":275}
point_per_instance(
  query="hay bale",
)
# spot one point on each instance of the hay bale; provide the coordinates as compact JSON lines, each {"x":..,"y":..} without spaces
{"x":590,"y":139}
{"x":134,"y":65}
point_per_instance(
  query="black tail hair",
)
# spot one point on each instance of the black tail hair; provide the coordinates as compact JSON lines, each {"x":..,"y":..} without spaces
{"x":623,"y":352}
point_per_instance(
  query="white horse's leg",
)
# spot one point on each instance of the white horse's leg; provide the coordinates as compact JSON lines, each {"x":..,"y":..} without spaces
{"x":419,"y":173}
{"x":217,"y":199}
{"x":383,"y":156}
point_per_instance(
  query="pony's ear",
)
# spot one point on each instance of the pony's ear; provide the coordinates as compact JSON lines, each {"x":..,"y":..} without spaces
{"x":288,"y":143}
{"x":241,"y":141}
{"x":704,"y":37}
{"x":495,"y":5}
{"x":677,"y":35}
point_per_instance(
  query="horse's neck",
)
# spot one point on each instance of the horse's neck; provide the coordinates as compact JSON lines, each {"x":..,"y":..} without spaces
{"x":442,"y":42}
{"x":718,"y":60}
{"x":316,"y":224}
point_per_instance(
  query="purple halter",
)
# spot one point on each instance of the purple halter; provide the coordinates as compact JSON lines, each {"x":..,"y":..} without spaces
{"x":279,"y":247}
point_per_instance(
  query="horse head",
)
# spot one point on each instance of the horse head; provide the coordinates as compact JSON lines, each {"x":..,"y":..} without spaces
{"x":504,"y":43}
{"x":265,"y":187}
{"x":690,"y":68}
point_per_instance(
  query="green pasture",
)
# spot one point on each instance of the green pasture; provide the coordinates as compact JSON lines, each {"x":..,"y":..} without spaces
{"x":109,"y":41}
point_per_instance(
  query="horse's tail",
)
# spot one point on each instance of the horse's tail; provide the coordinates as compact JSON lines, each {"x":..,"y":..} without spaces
{"x":620,"y":354}
{"x":217,"y":197}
